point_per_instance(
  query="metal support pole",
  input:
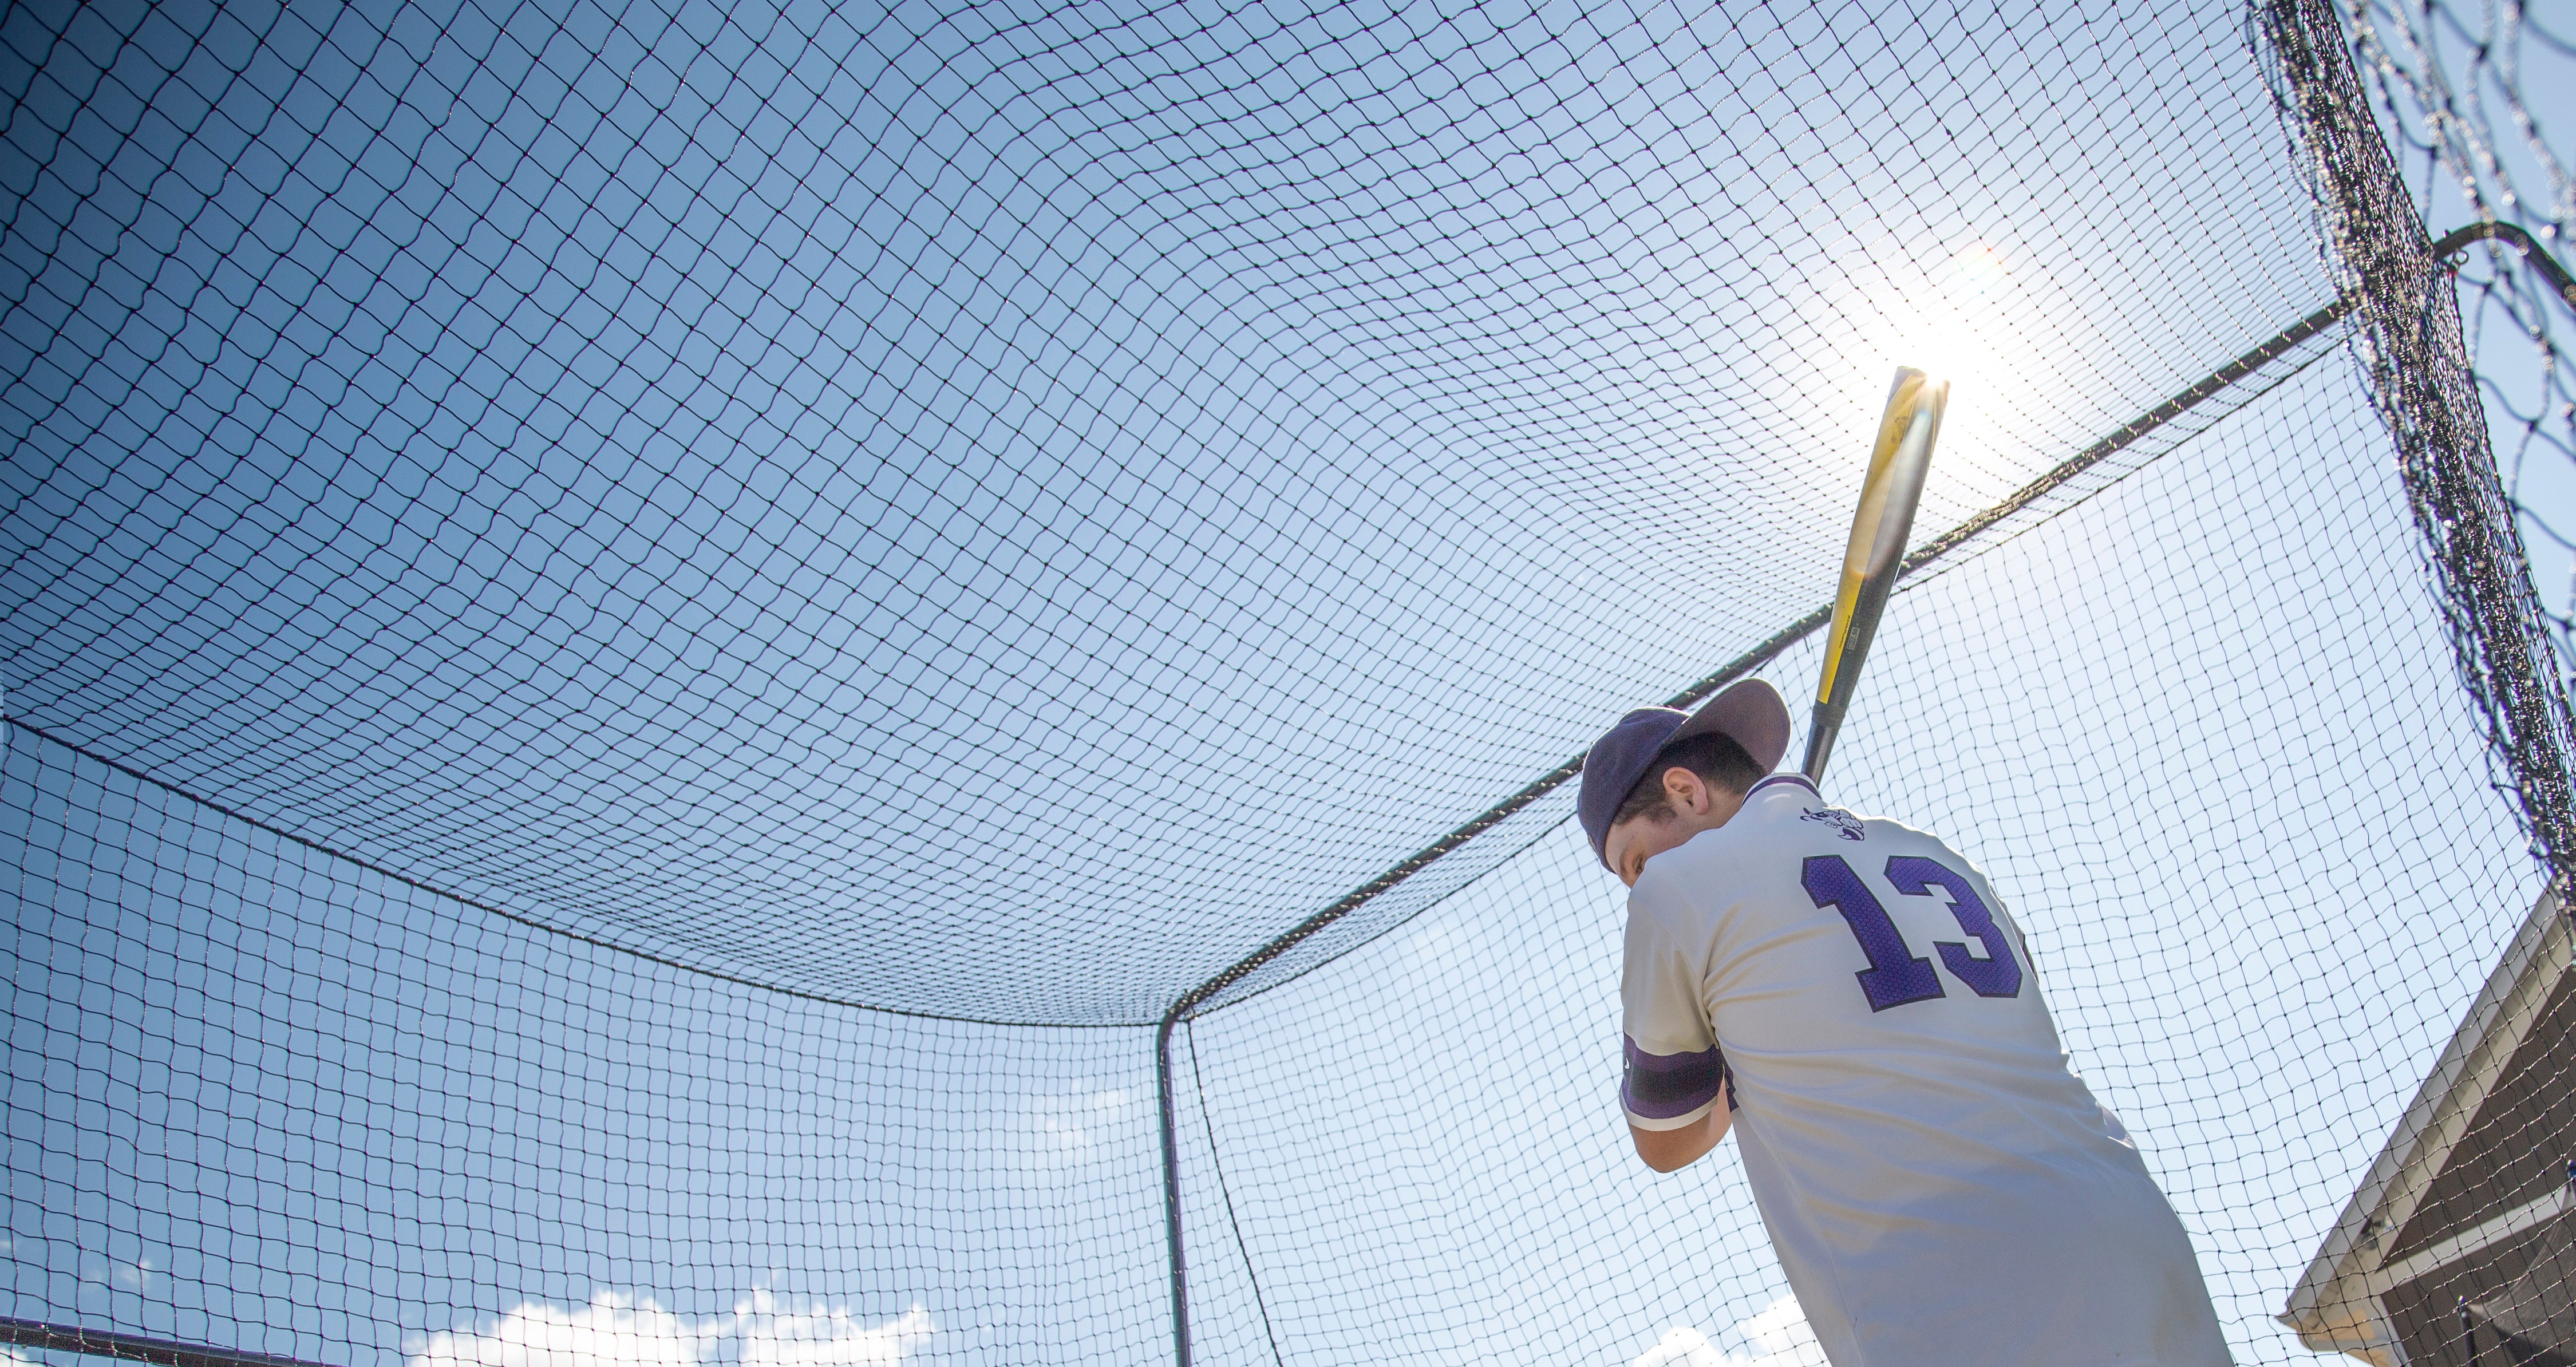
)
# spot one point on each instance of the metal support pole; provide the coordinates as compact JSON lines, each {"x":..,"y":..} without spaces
{"x":1172,"y":1184}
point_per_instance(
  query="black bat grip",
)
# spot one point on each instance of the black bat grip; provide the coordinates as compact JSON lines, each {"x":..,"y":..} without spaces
{"x":1823,"y":725}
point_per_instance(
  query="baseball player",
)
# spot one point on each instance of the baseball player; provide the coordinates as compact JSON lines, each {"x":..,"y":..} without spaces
{"x":1848,"y":996}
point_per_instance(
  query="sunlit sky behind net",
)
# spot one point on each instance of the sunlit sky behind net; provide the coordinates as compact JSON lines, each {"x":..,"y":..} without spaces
{"x":620,"y":469}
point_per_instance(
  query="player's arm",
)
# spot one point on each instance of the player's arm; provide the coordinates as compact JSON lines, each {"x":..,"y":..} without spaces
{"x":1673,"y":1150}
{"x":1673,"y":1085}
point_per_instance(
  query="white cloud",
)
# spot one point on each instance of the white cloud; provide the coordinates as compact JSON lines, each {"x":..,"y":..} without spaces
{"x":620,"y":1330}
{"x":1681,"y":1346}
{"x":1779,"y":1337}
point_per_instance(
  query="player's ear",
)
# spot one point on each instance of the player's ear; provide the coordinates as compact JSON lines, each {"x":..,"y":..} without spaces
{"x":1687,"y":792}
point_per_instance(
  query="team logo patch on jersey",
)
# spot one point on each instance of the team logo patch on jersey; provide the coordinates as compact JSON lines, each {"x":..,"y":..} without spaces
{"x":1844,"y":823}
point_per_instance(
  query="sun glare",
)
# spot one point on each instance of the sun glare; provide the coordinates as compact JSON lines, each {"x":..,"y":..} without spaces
{"x":1965,"y":320}
{"x":1952,"y":321}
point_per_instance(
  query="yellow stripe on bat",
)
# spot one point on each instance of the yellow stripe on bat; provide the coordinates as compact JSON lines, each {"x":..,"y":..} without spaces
{"x":1903,"y":398}
{"x":1845,"y":600}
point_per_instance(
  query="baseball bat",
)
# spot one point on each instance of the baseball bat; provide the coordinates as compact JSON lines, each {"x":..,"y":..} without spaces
{"x":1906,"y":432}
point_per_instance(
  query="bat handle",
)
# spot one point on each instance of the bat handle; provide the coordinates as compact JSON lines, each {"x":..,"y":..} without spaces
{"x":1821,"y":729}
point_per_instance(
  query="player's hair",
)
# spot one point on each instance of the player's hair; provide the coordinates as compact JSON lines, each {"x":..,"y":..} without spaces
{"x":1716,"y":758}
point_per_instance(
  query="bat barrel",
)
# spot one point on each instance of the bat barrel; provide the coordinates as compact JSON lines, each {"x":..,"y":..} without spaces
{"x":1898,"y":462}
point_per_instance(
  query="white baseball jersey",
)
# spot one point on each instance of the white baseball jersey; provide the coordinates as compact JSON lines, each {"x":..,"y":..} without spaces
{"x":1940,"y":1187}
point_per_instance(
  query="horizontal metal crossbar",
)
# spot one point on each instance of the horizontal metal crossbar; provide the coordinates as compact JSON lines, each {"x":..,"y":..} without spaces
{"x":2128,"y":434}
{"x":109,"y":1343}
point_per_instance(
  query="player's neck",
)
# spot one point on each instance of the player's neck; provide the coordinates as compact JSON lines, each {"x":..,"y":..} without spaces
{"x":1721,"y":809}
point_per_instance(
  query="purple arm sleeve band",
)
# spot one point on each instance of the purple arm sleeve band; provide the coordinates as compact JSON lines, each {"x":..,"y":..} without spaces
{"x":1662,"y":1086}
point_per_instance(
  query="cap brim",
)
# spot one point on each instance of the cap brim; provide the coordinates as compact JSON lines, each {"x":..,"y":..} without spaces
{"x":1752,"y":714}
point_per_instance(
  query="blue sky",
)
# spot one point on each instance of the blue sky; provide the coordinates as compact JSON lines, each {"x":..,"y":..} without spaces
{"x":993,"y":513}
{"x":595,"y":448}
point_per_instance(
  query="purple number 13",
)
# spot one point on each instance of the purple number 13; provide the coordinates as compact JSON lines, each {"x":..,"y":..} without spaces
{"x":1894,"y":976}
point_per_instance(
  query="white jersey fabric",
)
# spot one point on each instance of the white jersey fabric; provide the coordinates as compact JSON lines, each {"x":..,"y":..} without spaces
{"x":1940,"y":1187}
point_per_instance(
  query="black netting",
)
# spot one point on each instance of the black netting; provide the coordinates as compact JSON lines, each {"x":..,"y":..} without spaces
{"x":2467,"y":95}
{"x":643,"y":646}
{"x":657,"y":472}
{"x":262,"y":1100}
{"x":2455,"y":1216}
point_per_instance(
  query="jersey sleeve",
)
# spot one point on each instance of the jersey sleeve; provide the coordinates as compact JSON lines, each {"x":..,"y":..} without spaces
{"x":1674,"y":1071}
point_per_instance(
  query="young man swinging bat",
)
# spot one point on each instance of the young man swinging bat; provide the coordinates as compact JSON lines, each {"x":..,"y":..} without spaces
{"x":1849,"y":998}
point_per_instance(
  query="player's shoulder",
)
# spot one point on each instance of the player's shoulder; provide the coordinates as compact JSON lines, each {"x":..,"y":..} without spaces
{"x":1788,"y":807}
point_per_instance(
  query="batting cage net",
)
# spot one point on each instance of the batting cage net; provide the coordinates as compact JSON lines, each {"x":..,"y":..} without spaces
{"x":860,"y":684}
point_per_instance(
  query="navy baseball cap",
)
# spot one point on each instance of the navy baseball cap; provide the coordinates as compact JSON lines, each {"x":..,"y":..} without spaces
{"x":1750,"y":712}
